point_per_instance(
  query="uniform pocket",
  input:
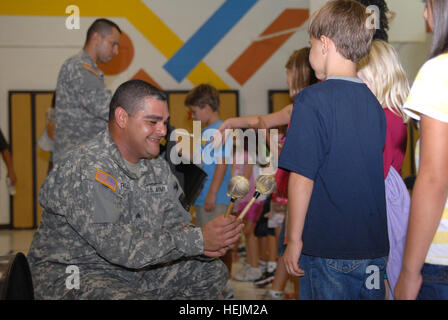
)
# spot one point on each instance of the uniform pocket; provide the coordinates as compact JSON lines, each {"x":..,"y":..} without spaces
{"x":106,"y":205}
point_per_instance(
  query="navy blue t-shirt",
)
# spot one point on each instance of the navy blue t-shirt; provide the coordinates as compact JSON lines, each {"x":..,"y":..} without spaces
{"x":336,"y":139}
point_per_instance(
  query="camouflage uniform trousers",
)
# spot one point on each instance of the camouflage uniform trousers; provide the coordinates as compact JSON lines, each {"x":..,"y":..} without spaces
{"x":181,"y":280}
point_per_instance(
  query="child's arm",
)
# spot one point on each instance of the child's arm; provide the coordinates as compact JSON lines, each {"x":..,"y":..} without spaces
{"x":299,"y":195}
{"x":279,"y":118}
{"x":275,"y":119}
{"x":218,"y":177}
{"x":428,"y":200}
{"x":239,"y":122}
{"x":247,"y":172}
{"x":50,"y":129}
{"x":10,"y":167}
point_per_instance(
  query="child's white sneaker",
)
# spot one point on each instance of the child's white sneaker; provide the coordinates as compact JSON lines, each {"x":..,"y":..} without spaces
{"x":247,"y":273}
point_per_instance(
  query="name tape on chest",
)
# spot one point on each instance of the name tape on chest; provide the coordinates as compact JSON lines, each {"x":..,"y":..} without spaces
{"x":106,"y":179}
{"x":91,"y":69}
{"x":161,"y":188}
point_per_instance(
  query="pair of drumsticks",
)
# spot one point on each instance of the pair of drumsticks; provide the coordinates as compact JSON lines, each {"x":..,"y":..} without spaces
{"x":239,"y":186}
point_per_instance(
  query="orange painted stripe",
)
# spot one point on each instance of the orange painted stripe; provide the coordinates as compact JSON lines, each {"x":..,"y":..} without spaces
{"x":142,"y":75}
{"x":259,"y":52}
{"x":288,"y":19}
{"x":255,"y":57}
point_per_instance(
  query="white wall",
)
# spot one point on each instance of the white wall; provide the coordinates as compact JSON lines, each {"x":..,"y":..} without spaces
{"x":32,"y":49}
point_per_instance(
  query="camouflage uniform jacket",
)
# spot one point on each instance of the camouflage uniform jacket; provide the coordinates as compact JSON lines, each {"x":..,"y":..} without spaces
{"x":82,"y":103}
{"x":99,"y":213}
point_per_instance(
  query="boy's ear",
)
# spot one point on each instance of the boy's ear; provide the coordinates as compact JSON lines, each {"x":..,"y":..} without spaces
{"x":325,"y":44}
{"x":209,"y":109}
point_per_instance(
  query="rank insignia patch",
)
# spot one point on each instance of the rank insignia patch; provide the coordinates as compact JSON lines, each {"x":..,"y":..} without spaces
{"x":91,"y":69}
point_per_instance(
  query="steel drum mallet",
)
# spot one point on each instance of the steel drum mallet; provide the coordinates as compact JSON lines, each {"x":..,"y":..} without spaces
{"x":265,"y":185}
{"x":238,"y":187}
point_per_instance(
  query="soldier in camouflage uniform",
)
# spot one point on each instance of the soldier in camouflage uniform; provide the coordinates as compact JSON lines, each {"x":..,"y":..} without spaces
{"x":82,"y":100}
{"x":112,"y":210}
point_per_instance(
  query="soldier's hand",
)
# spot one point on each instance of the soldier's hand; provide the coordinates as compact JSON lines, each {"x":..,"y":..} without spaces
{"x":221,"y":233}
{"x":215,"y":254}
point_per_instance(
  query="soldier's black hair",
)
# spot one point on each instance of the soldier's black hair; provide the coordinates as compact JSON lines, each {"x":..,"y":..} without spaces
{"x":103,"y":27}
{"x":130,"y":95}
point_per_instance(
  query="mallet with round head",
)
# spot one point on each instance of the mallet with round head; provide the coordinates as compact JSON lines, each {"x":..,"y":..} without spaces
{"x":238,"y":187}
{"x":265,"y":184}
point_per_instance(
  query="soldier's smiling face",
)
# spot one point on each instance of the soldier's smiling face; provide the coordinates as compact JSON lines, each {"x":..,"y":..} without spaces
{"x":146,"y":128}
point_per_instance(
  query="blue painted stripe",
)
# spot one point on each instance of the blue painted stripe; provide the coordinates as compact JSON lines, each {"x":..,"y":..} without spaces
{"x":207,"y":37}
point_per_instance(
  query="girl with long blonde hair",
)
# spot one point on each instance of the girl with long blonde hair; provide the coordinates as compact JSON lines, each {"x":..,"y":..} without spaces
{"x":383,"y":73}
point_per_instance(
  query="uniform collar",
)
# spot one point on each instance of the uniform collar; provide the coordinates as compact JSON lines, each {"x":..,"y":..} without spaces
{"x":86,"y":58}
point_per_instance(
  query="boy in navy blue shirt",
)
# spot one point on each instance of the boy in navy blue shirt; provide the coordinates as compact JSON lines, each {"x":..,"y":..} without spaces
{"x":337,"y":226}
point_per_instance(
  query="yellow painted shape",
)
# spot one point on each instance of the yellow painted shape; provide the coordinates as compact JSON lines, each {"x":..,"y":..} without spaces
{"x":156,"y":31}
{"x":137,"y":13}
{"x":203,"y":74}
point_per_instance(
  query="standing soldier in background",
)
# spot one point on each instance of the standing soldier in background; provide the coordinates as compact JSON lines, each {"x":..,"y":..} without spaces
{"x":82,"y":100}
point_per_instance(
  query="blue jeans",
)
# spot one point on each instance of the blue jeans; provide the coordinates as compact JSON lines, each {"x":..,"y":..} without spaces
{"x":336,"y":279}
{"x":435,"y":282}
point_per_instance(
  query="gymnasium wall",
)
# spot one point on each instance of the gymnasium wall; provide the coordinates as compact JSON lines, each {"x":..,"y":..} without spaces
{"x":238,"y":45}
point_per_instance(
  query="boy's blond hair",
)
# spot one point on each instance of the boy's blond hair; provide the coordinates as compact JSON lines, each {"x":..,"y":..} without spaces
{"x":345,"y":23}
{"x":383,"y":71}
